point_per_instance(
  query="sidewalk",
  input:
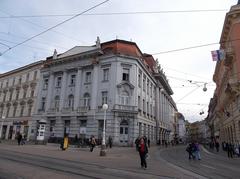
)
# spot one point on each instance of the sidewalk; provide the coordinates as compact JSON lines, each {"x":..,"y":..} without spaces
{"x":221,"y":152}
{"x":125,"y":158}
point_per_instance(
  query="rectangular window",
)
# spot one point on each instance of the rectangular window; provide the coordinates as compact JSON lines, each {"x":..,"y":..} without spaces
{"x":17,"y":94}
{"x":147,"y":86}
{"x":144,"y":83}
{"x":22,"y":110}
{"x":43,"y":104}
{"x":45,"y":83}
{"x":13,"y":81}
{"x":67,"y":127}
{"x":139,"y":80}
{"x":105,"y":74}
{"x":73,"y":80}
{"x":52,"y":125}
{"x":83,"y":123}
{"x":29,"y":110}
{"x":20,"y":80}
{"x":59,"y":81}
{"x":151,"y":89}
{"x":8,"y":109}
{"x":104,"y":97}
{"x":24,"y":93}
{"x":35,"y":75}
{"x":88,"y":77}
{"x":27,"y":77}
{"x":14,"y":111}
{"x":125,"y":75}
{"x":32,"y":93}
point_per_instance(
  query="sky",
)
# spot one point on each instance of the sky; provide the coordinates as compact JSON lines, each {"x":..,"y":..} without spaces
{"x":158,"y":27}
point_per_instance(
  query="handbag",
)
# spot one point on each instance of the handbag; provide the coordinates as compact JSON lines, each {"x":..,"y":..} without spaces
{"x":147,"y":156}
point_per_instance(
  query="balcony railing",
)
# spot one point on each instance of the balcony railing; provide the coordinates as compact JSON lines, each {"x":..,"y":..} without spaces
{"x":125,"y":108}
{"x":83,"y":109}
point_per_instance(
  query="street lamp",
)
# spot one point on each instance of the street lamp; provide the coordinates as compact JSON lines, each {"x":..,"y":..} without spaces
{"x":3,"y":117}
{"x":103,"y":146}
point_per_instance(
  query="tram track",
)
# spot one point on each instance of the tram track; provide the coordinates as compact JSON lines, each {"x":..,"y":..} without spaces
{"x":77,"y":168}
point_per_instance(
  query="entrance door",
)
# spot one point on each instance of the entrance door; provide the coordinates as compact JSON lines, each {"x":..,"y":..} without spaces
{"x":10,"y":134}
{"x":124,"y":133}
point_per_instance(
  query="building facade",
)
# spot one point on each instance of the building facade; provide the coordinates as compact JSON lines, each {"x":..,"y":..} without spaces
{"x":74,"y":86}
{"x":18,"y":91}
{"x":225,"y":114}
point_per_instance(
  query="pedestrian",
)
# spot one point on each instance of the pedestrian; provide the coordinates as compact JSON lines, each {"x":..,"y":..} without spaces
{"x":229,"y":150}
{"x":148,"y":141}
{"x":143,"y":150}
{"x":92,"y":143}
{"x":19,"y":138}
{"x":137,"y":143}
{"x":110,"y":141}
{"x":189,"y":150}
{"x":198,"y":151}
{"x":217,"y":146}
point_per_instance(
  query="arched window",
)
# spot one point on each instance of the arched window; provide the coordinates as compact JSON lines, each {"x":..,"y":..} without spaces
{"x":86,"y":99}
{"x":71,"y":101}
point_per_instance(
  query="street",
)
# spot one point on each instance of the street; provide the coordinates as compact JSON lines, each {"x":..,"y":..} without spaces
{"x":211,"y":165}
{"x":39,"y":161}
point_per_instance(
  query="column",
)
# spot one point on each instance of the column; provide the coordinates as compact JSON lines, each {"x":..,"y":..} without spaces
{"x":63,"y":89}
{"x":38,"y":89}
{"x":157,"y":114}
{"x":94,"y":87}
{"x":49,"y":91}
{"x":77,"y":89}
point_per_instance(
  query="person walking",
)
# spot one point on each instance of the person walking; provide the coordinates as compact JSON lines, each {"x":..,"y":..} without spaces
{"x":148,"y":141}
{"x":189,"y":149}
{"x":143,"y":150}
{"x":217,"y":146}
{"x":137,"y":143}
{"x":19,"y":138}
{"x":110,"y":141}
{"x":198,"y":151}
{"x":92,"y":143}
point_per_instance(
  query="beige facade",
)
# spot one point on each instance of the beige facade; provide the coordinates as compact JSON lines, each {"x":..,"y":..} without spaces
{"x":224,"y":116}
{"x":18,"y":90}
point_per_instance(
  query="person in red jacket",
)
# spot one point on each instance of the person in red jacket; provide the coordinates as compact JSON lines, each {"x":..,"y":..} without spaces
{"x":143,"y":150}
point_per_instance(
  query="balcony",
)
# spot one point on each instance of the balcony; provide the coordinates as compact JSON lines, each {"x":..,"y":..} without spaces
{"x":83,"y":109}
{"x":125,"y":108}
{"x":52,"y":111}
{"x":67,"y":110}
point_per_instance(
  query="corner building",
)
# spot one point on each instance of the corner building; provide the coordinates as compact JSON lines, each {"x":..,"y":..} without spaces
{"x":74,"y":86}
{"x":18,"y":91}
{"x":224,"y":116}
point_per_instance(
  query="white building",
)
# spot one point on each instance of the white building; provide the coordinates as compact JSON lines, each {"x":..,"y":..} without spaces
{"x":74,"y":85}
{"x":181,"y":128}
{"x":18,"y":91}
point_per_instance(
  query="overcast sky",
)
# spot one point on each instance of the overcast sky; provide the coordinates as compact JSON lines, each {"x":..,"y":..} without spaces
{"x":154,"y":33}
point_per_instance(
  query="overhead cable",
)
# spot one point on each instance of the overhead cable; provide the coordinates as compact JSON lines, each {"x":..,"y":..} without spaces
{"x":53,"y":27}
{"x":116,"y":13}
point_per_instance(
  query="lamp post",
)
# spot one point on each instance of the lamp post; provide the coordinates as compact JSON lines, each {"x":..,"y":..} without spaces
{"x":103,"y":146}
{"x":3,"y":117}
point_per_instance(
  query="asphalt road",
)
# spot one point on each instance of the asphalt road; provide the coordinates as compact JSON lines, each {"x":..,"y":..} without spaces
{"x":210,"y":166}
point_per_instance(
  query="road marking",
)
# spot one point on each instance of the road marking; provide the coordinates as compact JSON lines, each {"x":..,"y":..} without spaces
{"x":208,"y":166}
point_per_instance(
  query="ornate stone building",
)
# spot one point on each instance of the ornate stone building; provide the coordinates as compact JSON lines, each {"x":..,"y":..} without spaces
{"x":224,"y":116}
{"x":75,"y":84}
{"x":18,"y":90}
